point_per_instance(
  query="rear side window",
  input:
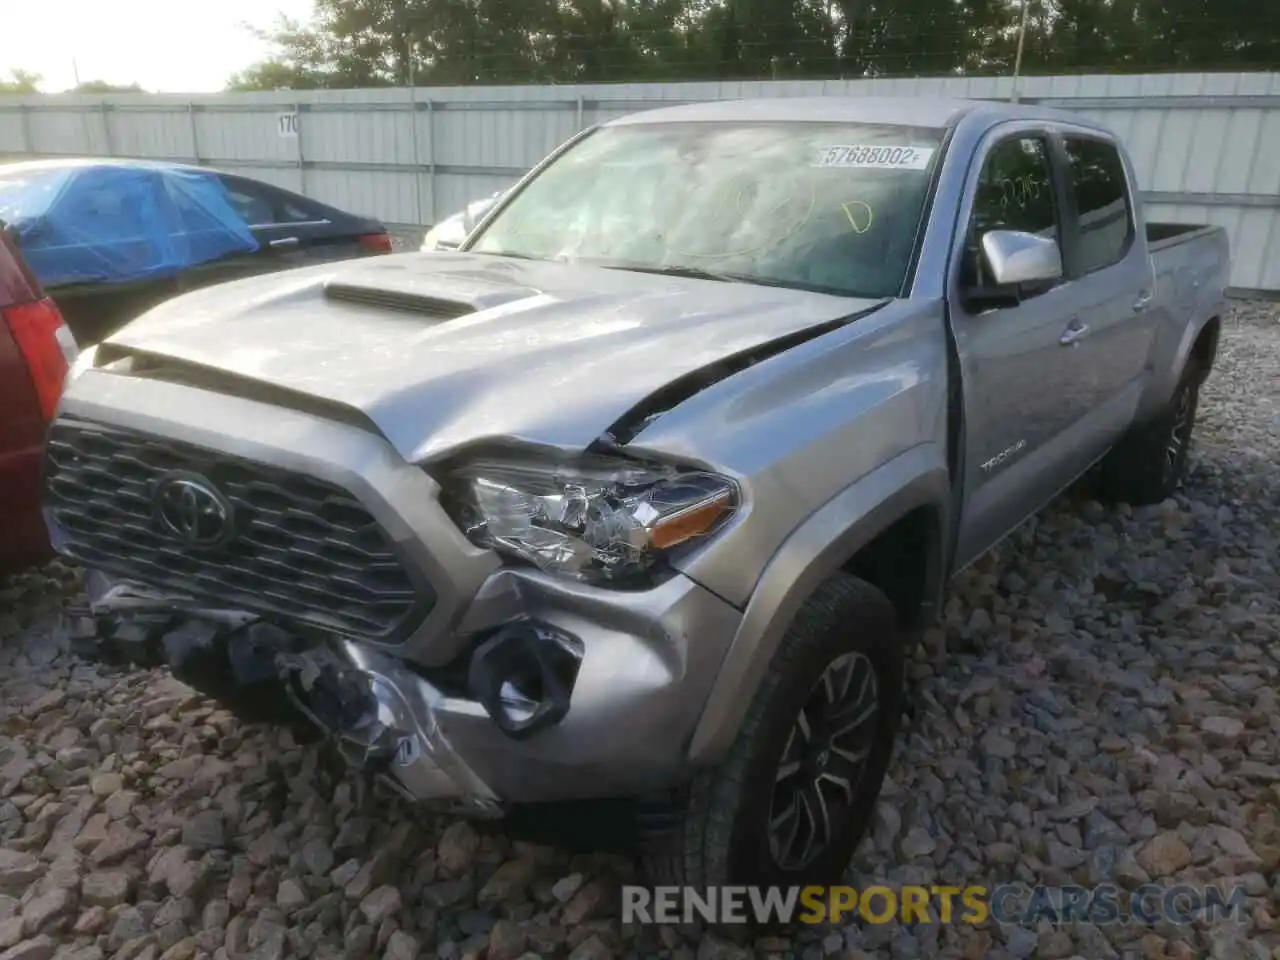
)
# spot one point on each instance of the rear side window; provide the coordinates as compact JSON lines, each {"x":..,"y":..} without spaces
{"x":261,"y":205}
{"x":1097,"y":182}
{"x":291,"y":211}
{"x":254,"y":208}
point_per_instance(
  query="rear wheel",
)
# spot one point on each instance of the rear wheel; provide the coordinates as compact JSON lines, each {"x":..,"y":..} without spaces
{"x":1147,"y":465}
{"x":797,"y":789}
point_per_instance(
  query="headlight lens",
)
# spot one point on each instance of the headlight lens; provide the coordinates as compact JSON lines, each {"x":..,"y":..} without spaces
{"x":601,"y":521}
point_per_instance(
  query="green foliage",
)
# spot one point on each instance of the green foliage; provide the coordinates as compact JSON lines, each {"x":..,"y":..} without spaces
{"x":101,"y":86}
{"x":365,"y":43}
{"x":20,"y":81}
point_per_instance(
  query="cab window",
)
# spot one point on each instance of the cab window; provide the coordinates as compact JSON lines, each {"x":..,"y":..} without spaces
{"x":1100,"y":189}
{"x":1014,"y":192}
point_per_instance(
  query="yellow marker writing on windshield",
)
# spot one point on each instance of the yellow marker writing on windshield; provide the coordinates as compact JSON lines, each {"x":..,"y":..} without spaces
{"x":860,"y":215}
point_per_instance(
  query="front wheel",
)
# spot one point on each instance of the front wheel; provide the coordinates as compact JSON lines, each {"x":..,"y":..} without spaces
{"x":1147,"y":465}
{"x":795,"y":794}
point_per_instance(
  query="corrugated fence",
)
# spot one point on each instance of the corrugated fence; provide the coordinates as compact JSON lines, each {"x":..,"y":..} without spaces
{"x":1206,"y":145}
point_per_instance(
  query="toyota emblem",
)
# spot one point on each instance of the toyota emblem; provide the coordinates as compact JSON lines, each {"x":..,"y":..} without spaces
{"x":192,"y":510}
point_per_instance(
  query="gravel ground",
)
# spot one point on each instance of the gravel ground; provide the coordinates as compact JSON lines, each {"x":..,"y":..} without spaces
{"x":1100,"y":704}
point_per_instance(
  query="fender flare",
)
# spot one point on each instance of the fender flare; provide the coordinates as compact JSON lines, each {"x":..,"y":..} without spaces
{"x":1170,"y":364}
{"x":1188,"y":342}
{"x":816,"y":549}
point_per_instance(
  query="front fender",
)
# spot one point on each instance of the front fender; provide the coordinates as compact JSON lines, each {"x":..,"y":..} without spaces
{"x":821,"y":545}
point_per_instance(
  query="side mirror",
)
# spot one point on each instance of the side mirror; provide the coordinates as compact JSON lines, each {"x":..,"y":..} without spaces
{"x":1015,"y":258}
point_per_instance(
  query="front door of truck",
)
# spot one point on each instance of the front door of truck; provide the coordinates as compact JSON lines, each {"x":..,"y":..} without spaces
{"x":1020,"y":369}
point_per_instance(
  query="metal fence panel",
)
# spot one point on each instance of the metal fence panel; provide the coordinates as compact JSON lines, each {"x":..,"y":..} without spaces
{"x":1204,"y":145}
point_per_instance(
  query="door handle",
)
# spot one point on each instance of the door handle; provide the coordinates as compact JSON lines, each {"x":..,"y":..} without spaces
{"x":1143,"y":301}
{"x":1073,"y":334}
{"x":285,"y":242}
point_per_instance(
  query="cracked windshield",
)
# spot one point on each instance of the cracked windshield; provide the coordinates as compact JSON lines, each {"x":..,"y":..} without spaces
{"x":831,"y":207}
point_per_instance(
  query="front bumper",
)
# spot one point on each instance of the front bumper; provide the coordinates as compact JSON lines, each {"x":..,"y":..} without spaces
{"x":637,"y":692}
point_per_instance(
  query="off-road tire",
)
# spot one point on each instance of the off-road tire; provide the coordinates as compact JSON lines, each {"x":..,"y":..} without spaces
{"x":1139,"y":470}
{"x":715,"y":832}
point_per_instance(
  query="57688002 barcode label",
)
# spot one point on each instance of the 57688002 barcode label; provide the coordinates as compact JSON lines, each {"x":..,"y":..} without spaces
{"x":868,"y":157}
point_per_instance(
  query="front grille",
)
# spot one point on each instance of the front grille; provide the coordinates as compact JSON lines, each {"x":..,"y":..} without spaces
{"x":297,"y":548}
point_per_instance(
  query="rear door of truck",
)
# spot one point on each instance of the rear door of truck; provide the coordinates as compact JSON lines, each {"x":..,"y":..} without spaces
{"x":1105,"y":254}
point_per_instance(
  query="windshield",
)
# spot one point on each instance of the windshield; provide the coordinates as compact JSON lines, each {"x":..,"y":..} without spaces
{"x":819,"y":206}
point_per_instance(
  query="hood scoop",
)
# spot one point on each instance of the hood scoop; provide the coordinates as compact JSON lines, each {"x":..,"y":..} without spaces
{"x":443,"y":295}
{"x":403,"y":301}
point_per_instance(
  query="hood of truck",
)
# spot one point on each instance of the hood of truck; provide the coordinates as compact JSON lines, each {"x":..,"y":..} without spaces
{"x":543,"y":353}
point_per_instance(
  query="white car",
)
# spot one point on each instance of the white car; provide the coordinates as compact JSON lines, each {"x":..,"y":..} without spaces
{"x":448,"y":234}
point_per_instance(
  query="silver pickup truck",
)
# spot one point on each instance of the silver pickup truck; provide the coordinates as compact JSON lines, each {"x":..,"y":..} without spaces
{"x":648,"y":490}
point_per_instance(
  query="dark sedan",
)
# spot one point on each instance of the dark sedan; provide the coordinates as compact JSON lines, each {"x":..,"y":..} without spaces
{"x":109,"y":239}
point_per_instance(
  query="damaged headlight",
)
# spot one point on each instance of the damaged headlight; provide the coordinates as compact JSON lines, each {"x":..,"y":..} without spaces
{"x":603,"y":521}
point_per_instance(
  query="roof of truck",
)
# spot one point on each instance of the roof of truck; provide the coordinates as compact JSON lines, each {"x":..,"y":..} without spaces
{"x":910,"y":111}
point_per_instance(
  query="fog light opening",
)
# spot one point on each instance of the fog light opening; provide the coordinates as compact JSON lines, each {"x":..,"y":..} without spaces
{"x":520,"y":696}
{"x":524,"y":675}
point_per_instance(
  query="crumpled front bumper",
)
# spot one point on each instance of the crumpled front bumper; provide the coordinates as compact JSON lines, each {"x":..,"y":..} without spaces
{"x":644,"y":663}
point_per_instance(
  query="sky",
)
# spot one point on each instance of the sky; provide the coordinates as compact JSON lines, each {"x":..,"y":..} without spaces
{"x":171,"y":46}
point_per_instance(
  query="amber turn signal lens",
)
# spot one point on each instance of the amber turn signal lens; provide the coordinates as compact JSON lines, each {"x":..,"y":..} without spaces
{"x":691,"y":522}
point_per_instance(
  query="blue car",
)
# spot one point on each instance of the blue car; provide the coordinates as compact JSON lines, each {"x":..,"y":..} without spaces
{"x":110,"y":238}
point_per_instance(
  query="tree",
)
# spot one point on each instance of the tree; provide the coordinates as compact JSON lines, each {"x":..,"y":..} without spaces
{"x":101,"y":86}
{"x":364,"y":43}
{"x":21,"y":81}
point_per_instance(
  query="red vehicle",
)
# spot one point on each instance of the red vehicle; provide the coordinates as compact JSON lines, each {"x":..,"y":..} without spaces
{"x":36,"y":353}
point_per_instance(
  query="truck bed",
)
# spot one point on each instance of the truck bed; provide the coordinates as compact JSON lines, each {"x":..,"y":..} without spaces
{"x":1161,"y":236}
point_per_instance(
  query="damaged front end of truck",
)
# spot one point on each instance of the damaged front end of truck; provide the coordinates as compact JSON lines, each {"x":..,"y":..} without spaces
{"x":378,"y":712}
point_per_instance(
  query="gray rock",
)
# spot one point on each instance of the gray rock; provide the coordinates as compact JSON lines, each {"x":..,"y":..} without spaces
{"x":380,"y":904}
{"x":105,"y":784}
{"x":1020,"y":942}
{"x":37,"y":948}
{"x":48,"y":911}
{"x":401,"y":946}
{"x":106,"y":889}
{"x":507,"y":941}
{"x":318,"y":857}
{"x":566,"y":887}
{"x":1164,"y":855}
{"x":18,"y":870}
{"x":916,"y":843}
{"x":509,"y":883}
{"x":129,"y":925}
{"x":11,"y":932}
{"x":457,"y":848}
{"x":593,"y":948}
{"x":204,"y":831}
{"x":292,"y":896}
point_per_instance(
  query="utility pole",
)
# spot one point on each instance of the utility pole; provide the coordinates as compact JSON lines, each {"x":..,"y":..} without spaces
{"x":1017,"y":59}
{"x":413,"y":132}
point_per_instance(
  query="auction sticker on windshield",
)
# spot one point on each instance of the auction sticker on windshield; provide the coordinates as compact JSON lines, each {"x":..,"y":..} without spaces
{"x":870,"y":157}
